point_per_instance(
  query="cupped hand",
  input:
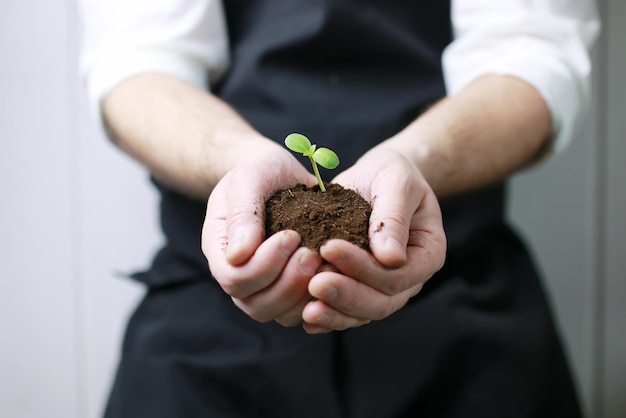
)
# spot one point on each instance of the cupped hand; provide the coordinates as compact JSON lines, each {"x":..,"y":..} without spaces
{"x":266,"y":278}
{"x":407,"y":243}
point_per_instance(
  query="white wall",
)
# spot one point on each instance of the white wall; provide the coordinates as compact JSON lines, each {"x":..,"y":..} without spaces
{"x":75,"y":214}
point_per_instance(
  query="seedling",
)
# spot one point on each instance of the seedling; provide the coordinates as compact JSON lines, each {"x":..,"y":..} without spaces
{"x":322,"y":156}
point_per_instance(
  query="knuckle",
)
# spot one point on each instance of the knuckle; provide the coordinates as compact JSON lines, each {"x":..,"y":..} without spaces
{"x":290,"y":321}
{"x":351,"y":302}
{"x":391,"y":305}
{"x":342,"y":323}
{"x":396,"y":286}
{"x":241,"y":214}
{"x":233,"y":287}
{"x":290,"y":318}
{"x":415,"y":290}
{"x":259,"y":315}
{"x":384,"y":310}
{"x":395,"y":219}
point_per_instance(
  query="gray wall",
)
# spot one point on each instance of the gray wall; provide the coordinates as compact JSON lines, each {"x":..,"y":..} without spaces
{"x":572,"y":211}
{"x":67,"y":228}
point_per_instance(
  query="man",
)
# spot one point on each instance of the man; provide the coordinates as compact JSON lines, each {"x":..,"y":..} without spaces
{"x":367,"y":80}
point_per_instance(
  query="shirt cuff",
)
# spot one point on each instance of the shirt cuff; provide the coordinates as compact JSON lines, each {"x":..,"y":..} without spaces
{"x":564,"y":89}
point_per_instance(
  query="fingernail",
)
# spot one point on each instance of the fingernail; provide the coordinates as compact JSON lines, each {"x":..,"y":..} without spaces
{"x":288,"y":243}
{"x":237,"y":240}
{"x":309,"y":262}
{"x":333,"y":255}
{"x":393,"y":246}
{"x":330,"y":293}
{"x":323,"y":320}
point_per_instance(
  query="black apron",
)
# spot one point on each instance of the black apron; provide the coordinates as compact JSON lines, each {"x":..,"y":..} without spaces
{"x":478,"y":341}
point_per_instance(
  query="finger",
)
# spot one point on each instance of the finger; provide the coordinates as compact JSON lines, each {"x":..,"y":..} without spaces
{"x":261,"y":270}
{"x":325,"y":266}
{"x":355,"y":299}
{"x":427,"y":238}
{"x":314,"y":329}
{"x":293,"y":316}
{"x":361,"y":266}
{"x":318,"y":317}
{"x":286,"y":292}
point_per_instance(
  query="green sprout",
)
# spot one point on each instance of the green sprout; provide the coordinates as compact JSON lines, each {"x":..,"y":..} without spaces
{"x":322,"y":156}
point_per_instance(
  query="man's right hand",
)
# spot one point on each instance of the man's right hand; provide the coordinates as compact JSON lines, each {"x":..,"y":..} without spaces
{"x":267,"y":277}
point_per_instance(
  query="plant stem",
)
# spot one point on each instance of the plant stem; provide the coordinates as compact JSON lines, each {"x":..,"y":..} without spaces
{"x":317,"y":174}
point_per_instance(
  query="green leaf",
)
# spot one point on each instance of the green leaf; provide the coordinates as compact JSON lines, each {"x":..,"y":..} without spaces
{"x":326,"y":158}
{"x":298,"y":143}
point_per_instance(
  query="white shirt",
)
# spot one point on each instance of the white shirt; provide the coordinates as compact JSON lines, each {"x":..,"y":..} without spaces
{"x":544,"y":42}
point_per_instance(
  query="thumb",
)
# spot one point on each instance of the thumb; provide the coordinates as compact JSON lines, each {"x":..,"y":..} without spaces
{"x":392,"y":211}
{"x":245,"y":227}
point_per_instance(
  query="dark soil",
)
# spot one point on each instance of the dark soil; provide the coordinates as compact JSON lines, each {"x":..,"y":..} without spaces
{"x":318,"y":216}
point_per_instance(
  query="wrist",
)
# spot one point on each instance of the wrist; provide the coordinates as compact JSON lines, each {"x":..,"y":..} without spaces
{"x":425,"y":144}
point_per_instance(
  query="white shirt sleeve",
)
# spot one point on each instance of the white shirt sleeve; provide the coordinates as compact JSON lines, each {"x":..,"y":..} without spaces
{"x":183,"y":38}
{"x":544,"y":42}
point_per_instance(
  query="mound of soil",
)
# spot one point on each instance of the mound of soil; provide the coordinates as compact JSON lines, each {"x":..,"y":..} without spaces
{"x":319,"y":216}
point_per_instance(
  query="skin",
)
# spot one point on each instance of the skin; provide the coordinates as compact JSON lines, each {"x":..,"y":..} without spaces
{"x":185,"y":136}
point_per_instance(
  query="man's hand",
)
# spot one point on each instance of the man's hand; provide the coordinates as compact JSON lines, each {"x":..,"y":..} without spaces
{"x":267,"y":278}
{"x":407,"y":243}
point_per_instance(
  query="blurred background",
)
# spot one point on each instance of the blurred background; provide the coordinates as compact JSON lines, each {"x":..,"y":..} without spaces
{"x":76,"y":216}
